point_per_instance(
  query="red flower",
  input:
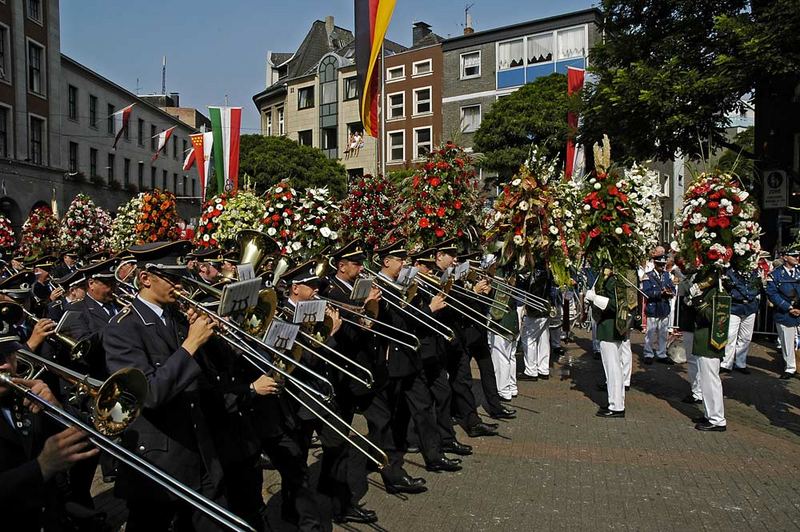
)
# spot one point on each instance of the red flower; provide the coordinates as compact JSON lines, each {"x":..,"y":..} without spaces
{"x":439,"y":232}
{"x":713,"y":204}
{"x":440,"y":212}
{"x":424,"y":222}
{"x":626,"y":229}
{"x":457,"y":204}
{"x":435,"y":182}
{"x":415,"y":182}
{"x":594,"y":233}
{"x":713,"y":254}
{"x":613,"y":190}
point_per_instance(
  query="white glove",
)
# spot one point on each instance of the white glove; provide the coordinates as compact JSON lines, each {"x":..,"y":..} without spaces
{"x":695,"y":290}
{"x":590,"y":295}
{"x":600,"y":302}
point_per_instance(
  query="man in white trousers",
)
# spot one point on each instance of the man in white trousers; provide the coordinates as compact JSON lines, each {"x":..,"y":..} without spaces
{"x":745,"y":290}
{"x":535,"y":330}
{"x":783,"y":292}
{"x":657,"y":286}
{"x":504,"y":349}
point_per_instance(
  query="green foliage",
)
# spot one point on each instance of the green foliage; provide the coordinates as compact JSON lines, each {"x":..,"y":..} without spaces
{"x":269,"y":160}
{"x":669,"y":71}
{"x":534,"y":114}
{"x":735,"y":162}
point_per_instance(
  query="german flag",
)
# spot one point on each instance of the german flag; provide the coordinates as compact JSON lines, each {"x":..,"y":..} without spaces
{"x":372,"y":20}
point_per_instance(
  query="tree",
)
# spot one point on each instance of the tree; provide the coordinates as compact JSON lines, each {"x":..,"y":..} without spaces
{"x":734,"y":161}
{"x":670,"y":71}
{"x":534,"y":114}
{"x":269,"y":160}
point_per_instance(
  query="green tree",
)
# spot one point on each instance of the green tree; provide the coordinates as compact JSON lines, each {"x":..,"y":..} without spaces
{"x":668,"y":72}
{"x":734,"y":161}
{"x":534,"y":114}
{"x":268,"y":160}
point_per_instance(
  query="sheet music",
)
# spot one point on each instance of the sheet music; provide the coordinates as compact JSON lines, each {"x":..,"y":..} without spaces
{"x":67,"y":322}
{"x":461,"y":270}
{"x":407,"y":275}
{"x":245,"y":272}
{"x":361,"y":289}
{"x":281,"y":334}
{"x":310,"y":311}
{"x":239,"y":296}
{"x":445,"y":276}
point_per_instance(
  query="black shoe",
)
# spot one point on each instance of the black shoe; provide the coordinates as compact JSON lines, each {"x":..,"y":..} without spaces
{"x":506,"y":413}
{"x":492,"y":425}
{"x":356,"y":514}
{"x":724,"y":371}
{"x":602,"y":386}
{"x":456,"y":447}
{"x":481,"y":429}
{"x":596,"y":355}
{"x":526,"y":377}
{"x":627,"y":388}
{"x":605,"y":412}
{"x":699,"y":420}
{"x":406,"y":484}
{"x":786,"y":376}
{"x":666,"y":360}
{"x":691,"y":400}
{"x":444,"y":464}
{"x":504,"y":400}
{"x":544,"y":377}
{"x":413,"y":449}
{"x":648,"y":360}
{"x":743,"y":371}
{"x":708,"y":427}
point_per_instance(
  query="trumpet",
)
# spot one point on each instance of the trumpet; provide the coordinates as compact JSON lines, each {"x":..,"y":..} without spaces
{"x":112,"y":390}
{"x":78,"y":349}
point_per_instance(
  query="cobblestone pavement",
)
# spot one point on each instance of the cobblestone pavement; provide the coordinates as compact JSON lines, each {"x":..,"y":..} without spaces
{"x":558,"y":467}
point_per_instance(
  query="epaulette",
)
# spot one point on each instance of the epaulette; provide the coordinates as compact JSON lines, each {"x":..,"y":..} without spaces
{"x":122,"y":313}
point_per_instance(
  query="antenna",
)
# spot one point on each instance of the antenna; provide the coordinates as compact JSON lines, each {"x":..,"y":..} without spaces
{"x":467,"y":18}
{"x":138,"y":87}
{"x":164,"y":75}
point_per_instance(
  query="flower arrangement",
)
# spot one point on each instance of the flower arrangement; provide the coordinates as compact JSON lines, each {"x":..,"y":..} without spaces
{"x":566,"y":253}
{"x":717,"y":226}
{"x":123,"y":228}
{"x":85,"y":228}
{"x":39,"y":233}
{"x":243,"y":210}
{"x":279,"y":216}
{"x":206,"y":235}
{"x":442,"y":200}
{"x":158,"y":220}
{"x":645,"y":194}
{"x":7,"y":240}
{"x":368,"y":210}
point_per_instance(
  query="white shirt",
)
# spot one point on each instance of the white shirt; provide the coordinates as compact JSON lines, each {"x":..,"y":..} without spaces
{"x":155,"y":308}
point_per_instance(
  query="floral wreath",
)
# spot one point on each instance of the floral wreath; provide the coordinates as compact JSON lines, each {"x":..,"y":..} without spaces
{"x":123,"y":228}
{"x":39,"y":233}
{"x":243,"y":210}
{"x":159,"y":217}
{"x":7,"y":239}
{"x":368,"y":210}
{"x":86,"y":228}
{"x":206,"y":235}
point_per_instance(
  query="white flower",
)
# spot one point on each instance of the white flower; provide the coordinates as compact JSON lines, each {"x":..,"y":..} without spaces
{"x":516,"y":182}
{"x":334,"y":235}
{"x":587,"y":207}
{"x":278,"y":190}
{"x":618,"y":230}
{"x":553,"y":230}
{"x":518,"y":239}
{"x":597,"y":186}
{"x":523,"y":205}
{"x":569,"y":224}
{"x":296,"y":246}
{"x":325,"y":231}
{"x":271,"y":231}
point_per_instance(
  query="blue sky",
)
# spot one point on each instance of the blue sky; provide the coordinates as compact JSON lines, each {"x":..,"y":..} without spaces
{"x":215,"y":47}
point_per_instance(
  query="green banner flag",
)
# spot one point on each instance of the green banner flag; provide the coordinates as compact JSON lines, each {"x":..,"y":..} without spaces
{"x":219,"y":155}
{"x":721,"y":317}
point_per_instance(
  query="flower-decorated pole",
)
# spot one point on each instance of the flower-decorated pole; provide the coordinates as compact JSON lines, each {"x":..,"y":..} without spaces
{"x":39,"y":233}
{"x":7,"y":239}
{"x":85,"y":228}
{"x":158,"y":218}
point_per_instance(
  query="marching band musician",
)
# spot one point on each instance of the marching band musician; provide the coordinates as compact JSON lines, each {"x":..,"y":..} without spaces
{"x":173,"y":431}
{"x":75,"y":291}
{"x":745,"y":290}
{"x":203,"y":265}
{"x":42,"y":289}
{"x":504,"y":349}
{"x":783,"y":292}
{"x":535,"y":331}
{"x":657,"y":286}
{"x":67,"y":265}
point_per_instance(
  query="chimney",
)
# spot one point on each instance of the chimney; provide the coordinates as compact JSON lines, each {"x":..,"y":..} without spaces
{"x":329,"y":25}
{"x":468,"y":30}
{"x":176,"y":99}
{"x":419,"y":31}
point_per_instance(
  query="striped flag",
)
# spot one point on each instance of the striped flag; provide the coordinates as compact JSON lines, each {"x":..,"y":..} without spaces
{"x":121,"y":119}
{"x":372,"y":20}
{"x":574,"y":84}
{"x":163,"y":138}
{"x":226,"y":124}
{"x":188,"y":162}
{"x":203,"y":144}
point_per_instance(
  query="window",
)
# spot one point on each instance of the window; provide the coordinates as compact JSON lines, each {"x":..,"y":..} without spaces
{"x":93,"y":111}
{"x":571,"y":43}
{"x":185,"y":179}
{"x":305,"y":138}
{"x":269,"y":122}
{"x":153,"y":177}
{"x":5,"y":113}
{"x":110,"y":167}
{"x":510,"y":54}
{"x":396,"y":105}
{"x":36,"y":82}
{"x":396,"y":73}
{"x":153,"y":139}
{"x":351,"y":88}
{"x":281,"y":130}
{"x":470,"y":65}
{"x":470,"y":118}
{"x":422,"y":68}
{"x":540,"y":48}
{"x":164,"y":180}
{"x":112,"y":128}
{"x":397,"y":148}
{"x":194,"y":188}
{"x":140,"y":132}
{"x":37,"y":140}
{"x":174,"y":147}
{"x":175,"y":183}
{"x":140,"y":176}
{"x":72,"y":98}
{"x":183,"y":144}
{"x":35,"y":10}
{"x":422,"y":101}
{"x":92,"y":162}
{"x":330,"y":140}
{"x":422,"y":141}
{"x":305,"y":98}
{"x":73,"y":157}
{"x":126,"y":172}
{"x":5,"y":53}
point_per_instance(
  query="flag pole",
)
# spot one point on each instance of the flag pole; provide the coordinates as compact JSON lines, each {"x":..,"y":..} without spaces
{"x":383,"y":116}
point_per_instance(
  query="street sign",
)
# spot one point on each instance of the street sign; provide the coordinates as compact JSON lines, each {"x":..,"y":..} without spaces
{"x":775,"y":189}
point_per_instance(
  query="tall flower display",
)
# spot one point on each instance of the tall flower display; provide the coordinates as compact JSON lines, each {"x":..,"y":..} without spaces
{"x":158,"y":219}
{"x":369,"y":210}
{"x":243,"y":210}
{"x":123,"y":228}
{"x":7,"y":240}
{"x":645,"y":193}
{"x":442,"y":200}
{"x":278,"y":220}
{"x":39,"y":233}
{"x":717,"y":227}
{"x":85,"y":227}
{"x":206,"y":234}
{"x":567,"y":252}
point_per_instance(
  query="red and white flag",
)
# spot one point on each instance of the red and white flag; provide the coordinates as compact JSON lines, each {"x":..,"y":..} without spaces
{"x":188,"y":162}
{"x":574,"y":157}
{"x":121,"y":119}
{"x":163,"y":138}
{"x":203,"y":144}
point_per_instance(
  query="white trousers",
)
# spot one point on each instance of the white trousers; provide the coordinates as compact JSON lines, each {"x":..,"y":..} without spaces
{"x":788,"y":336}
{"x":505,"y":365}
{"x":711,"y":385}
{"x":655,"y":340}
{"x":612,"y":364}
{"x":626,"y":354}
{"x":740,"y":332}
{"x":691,"y":360}
{"x":595,"y":341}
{"x":535,"y":340}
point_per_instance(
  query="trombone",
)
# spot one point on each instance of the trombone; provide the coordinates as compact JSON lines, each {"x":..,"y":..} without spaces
{"x":111,"y":387}
{"x":78,"y":349}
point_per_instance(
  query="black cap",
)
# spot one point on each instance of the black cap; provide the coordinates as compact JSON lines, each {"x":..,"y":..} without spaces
{"x":449,"y":246}
{"x":352,"y":251}
{"x":791,"y":252}
{"x":22,"y":280}
{"x":305,"y":273}
{"x":9,"y":344}
{"x":395,"y":249}
{"x":212,"y":254}
{"x":45,"y":263}
{"x":72,"y":252}
{"x":71,"y":279}
{"x":103,"y":270}
{"x":427,"y":256}
{"x":474,"y":256}
{"x":161,"y":255}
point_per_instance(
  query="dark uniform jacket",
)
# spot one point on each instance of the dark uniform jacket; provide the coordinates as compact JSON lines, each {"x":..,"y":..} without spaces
{"x":90,"y":324}
{"x":745,"y":290}
{"x":654,"y":282}
{"x":400,"y":360}
{"x":783,"y":291}
{"x":174,"y":430}
{"x":606,"y":318}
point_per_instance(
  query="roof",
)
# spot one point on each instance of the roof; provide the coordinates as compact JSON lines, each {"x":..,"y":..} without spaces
{"x":429,"y":40}
{"x":279,"y":58}
{"x":523,"y":28}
